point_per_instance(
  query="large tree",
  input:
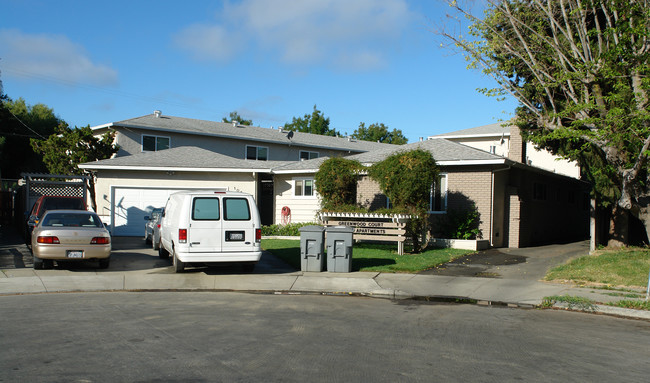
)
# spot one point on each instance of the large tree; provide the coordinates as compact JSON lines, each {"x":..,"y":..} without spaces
{"x":579,"y":69}
{"x":18,"y":123}
{"x":379,"y":133}
{"x":234,"y":116}
{"x":314,"y":123}
{"x":64,"y":150}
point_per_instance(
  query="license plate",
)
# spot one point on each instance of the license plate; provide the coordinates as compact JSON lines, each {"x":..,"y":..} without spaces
{"x":235,"y":236}
{"x":75,"y":254}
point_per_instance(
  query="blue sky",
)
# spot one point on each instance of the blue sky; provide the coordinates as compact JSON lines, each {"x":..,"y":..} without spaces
{"x":357,"y":60}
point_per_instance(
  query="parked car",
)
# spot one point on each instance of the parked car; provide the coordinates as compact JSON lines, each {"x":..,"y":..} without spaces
{"x":208,"y":227}
{"x":155,"y":232}
{"x":70,"y":235}
{"x":151,"y":221}
{"x":45,"y":203}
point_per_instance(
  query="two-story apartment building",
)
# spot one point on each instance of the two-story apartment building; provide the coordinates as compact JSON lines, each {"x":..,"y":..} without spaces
{"x":519,"y":204}
{"x":502,"y":138}
{"x":162,"y":154}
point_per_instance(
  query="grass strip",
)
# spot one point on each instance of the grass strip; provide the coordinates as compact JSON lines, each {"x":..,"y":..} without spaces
{"x":371,"y":256}
{"x":625,"y":267}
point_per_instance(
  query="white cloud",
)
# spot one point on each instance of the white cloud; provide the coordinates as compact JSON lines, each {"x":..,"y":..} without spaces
{"x":352,"y":35}
{"x":52,"y":57}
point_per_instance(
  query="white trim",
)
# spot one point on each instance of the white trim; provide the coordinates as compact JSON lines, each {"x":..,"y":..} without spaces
{"x":110,"y":124}
{"x":456,"y":136}
{"x":142,"y":135}
{"x":472,"y":162}
{"x":172,"y":169}
{"x":299,"y":171}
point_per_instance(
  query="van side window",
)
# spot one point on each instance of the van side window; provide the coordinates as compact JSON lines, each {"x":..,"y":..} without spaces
{"x":236,"y":209}
{"x":206,"y":209}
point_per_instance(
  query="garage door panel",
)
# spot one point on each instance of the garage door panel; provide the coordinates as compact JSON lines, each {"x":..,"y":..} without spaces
{"x":131,"y":205}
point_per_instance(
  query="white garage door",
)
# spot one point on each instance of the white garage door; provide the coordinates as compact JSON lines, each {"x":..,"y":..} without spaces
{"x":131,"y":205}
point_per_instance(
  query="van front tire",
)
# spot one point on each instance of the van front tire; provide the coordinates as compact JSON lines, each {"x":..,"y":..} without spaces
{"x":179,"y":265}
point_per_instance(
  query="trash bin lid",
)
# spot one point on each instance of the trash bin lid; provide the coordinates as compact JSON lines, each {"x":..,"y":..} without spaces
{"x":340,"y":229}
{"x":312,"y":229}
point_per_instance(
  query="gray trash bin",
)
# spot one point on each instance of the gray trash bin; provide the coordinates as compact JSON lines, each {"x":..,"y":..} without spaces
{"x":339,"y":249}
{"x":312,"y":248}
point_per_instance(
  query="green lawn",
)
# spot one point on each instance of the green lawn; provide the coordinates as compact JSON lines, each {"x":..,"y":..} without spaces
{"x":371,"y":256}
{"x":626,"y":267}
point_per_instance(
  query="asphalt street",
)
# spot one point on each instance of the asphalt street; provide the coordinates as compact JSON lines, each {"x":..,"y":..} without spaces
{"x":218,"y":336}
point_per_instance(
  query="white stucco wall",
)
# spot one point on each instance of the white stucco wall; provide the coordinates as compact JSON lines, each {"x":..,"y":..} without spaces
{"x":303,"y":209}
{"x":109,"y":179}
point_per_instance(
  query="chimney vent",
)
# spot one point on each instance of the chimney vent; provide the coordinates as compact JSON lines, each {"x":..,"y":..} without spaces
{"x":235,"y":123}
{"x":157,"y":113}
{"x":421,"y":139}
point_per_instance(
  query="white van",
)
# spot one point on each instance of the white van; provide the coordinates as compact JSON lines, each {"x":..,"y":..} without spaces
{"x":211,"y":226}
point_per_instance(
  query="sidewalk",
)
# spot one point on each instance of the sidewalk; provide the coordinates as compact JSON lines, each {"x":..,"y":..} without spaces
{"x":134,"y":268}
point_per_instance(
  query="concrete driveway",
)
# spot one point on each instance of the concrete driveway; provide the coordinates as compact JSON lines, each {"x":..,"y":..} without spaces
{"x":129,"y":254}
{"x":529,"y":263}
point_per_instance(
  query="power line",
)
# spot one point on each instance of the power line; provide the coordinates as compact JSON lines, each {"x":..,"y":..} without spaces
{"x":25,"y":125}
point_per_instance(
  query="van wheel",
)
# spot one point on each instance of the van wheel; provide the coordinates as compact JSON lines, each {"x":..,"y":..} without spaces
{"x":162,"y":253}
{"x":179,"y":265}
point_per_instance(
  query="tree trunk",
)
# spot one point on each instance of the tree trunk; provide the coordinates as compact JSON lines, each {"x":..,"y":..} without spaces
{"x":91,"y":192}
{"x":619,"y":228}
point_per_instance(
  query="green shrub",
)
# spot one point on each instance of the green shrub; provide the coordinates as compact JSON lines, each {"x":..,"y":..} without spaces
{"x":285,"y":230}
{"x":406,"y":178}
{"x":336,"y":182}
{"x":462,"y":224}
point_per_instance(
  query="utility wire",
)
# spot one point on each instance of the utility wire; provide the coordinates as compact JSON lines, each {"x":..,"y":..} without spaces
{"x":25,"y":125}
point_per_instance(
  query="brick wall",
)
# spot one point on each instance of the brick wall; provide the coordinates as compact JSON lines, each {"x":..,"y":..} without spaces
{"x":517,"y":150}
{"x":369,"y":194}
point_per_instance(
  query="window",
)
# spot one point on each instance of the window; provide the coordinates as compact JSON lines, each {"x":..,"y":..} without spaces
{"x":154,"y":143}
{"x":303,"y":187}
{"x":236,"y":209}
{"x":438,"y":195}
{"x":259,"y":153}
{"x":305,"y":155}
{"x":539,"y":192}
{"x":205,"y":209}
{"x":493,"y":149}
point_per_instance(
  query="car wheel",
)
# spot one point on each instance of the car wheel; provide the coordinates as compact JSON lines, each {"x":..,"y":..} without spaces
{"x":147,"y":239}
{"x":48,"y":264}
{"x":179,"y":265}
{"x":162,"y":253}
{"x":38,"y":263}
{"x":104,"y":263}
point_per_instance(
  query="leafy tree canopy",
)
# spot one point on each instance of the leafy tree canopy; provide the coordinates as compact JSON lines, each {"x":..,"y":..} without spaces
{"x":379,"y":133}
{"x":234,"y":116}
{"x":314,"y":123}
{"x":579,"y":69}
{"x":64,"y":150}
{"x":18,"y":123}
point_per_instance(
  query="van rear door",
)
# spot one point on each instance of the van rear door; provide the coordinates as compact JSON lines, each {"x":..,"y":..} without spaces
{"x":205,"y":225}
{"x":238,"y":225}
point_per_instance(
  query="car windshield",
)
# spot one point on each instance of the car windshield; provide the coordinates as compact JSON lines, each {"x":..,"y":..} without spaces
{"x":71,"y":220}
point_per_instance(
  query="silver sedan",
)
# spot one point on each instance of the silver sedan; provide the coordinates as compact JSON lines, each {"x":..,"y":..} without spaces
{"x":70,"y":235}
